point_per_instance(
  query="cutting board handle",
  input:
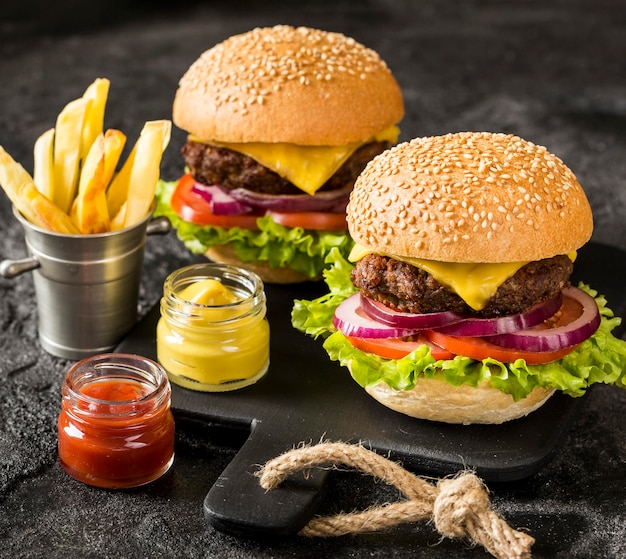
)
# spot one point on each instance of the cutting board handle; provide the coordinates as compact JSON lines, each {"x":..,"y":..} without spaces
{"x":238,"y":505}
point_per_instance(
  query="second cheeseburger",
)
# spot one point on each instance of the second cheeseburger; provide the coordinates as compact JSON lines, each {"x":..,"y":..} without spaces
{"x":457,"y":304}
{"x":281,"y":121}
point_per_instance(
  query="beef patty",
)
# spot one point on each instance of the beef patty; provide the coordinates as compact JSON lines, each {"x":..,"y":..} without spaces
{"x":409,"y":289}
{"x":231,"y":169}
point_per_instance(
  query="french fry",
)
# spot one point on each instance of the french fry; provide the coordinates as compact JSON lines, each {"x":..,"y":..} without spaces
{"x":145,"y":171}
{"x":91,"y":213}
{"x":114,"y":142}
{"x":117,"y":192}
{"x":67,"y":142}
{"x":117,"y":188}
{"x":96,"y":95}
{"x":43,"y":172}
{"x":31,"y":203}
{"x":48,"y":214}
{"x":117,"y":221}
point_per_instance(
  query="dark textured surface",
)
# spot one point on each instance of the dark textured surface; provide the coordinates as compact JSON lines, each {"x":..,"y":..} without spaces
{"x":552,"y":72}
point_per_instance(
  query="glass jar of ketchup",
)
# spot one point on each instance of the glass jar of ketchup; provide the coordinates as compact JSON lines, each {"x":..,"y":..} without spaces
{"x":116,"y":428}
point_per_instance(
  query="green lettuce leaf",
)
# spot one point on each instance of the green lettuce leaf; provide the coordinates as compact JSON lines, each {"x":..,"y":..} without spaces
{"x":600,"y":359}
{"x":302,"y":250}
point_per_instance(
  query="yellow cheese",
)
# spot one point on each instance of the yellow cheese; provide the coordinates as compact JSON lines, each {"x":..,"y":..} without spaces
{"x":308,"y":167}
{"x":474,"y":283}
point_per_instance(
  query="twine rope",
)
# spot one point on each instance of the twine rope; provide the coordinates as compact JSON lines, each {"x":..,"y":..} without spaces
{"x":459,"y":506}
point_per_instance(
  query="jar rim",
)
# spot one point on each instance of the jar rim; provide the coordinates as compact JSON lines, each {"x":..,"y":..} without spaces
{"x":120,"y":366}
{"x":230,"y":275}
{"x":247,"y":286}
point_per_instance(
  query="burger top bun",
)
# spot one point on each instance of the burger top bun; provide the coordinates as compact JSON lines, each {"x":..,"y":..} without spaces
{"x":469,"y":197}
{"x":284,"y":84}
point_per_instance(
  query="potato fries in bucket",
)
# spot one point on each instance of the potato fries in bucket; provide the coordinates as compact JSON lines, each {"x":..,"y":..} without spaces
{"x":85,"y":224}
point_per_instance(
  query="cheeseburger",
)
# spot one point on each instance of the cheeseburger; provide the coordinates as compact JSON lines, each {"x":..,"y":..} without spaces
{"x":281,"y":121}
{"x":455,"y":303}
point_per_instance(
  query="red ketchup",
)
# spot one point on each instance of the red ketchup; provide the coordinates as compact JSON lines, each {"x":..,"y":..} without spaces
{"x":116,"y":428}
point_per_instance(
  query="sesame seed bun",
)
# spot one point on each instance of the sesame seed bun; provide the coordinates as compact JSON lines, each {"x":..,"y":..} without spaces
{"x":284,"y":84}
{"x":469,"y":197}
{"x":437,"y":400}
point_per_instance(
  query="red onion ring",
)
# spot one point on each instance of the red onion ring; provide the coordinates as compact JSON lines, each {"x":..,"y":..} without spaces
{"x":220,"y":201}
{"x":479,"y":327}
{"x":427,"y":321}
{"x":334,"y":201}
{"x":350,"y":320}
{"x":574,"y":332}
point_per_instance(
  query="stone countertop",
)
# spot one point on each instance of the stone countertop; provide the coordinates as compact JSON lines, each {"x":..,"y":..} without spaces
{"x":551,"y":72}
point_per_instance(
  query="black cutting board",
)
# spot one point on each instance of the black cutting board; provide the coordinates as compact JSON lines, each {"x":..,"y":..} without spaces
{"x":306,"y":398}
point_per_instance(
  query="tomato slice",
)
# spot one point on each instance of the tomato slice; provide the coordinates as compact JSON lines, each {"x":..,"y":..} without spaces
{"x":479,"y":349}
{"x":192,"y":207}
{"x":397,"y":348}
{"x":320,"y":221}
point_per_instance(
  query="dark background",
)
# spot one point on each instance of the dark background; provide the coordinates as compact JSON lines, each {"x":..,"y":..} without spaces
{"x":551,"y":72}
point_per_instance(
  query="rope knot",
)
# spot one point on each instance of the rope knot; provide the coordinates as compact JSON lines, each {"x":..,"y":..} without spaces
{"x":459,"y":507}
{"x":459,"y":504}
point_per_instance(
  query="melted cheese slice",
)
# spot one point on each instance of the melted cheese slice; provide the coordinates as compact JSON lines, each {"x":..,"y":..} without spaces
{"x":308,"y":167}
{"x":474,"y":283}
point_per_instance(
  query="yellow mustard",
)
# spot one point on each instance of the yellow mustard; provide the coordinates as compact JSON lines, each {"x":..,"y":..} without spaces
{"x":213,"y":334}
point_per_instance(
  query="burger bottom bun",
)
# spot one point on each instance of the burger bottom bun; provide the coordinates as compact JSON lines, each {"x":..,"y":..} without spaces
{"x":436,"y":400}
{"x":225,"y":254}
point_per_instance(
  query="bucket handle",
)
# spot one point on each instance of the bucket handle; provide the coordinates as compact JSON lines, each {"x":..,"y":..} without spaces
{"x":10,"y":269}
{"x":159,"y":226}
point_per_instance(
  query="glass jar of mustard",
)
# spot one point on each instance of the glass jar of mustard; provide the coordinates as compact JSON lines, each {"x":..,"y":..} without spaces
{"x":213,"y":334}
{"x":116,"y":429}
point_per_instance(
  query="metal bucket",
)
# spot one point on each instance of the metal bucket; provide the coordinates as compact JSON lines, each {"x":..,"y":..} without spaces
{"x":87,"y":286}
